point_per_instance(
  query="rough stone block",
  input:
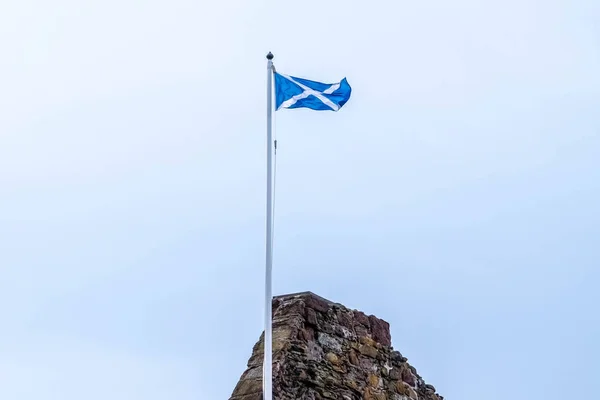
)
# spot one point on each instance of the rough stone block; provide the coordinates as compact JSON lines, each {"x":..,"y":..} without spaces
{"x":324,"y":351}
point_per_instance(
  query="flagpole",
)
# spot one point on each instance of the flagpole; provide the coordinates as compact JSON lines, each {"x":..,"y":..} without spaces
{"x":268,"y":340}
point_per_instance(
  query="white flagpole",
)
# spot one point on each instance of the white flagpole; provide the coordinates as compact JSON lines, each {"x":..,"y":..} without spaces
{"x":268,"y":340}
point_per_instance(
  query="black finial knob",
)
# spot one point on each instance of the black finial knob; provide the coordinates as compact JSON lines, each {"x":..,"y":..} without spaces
{"x":270,"y":56}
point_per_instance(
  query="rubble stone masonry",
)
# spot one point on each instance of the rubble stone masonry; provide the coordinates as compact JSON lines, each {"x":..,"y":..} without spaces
{"x":323,"y":350}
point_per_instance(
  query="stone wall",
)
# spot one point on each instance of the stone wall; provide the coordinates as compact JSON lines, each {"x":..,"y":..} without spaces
{"x":323,"y":350}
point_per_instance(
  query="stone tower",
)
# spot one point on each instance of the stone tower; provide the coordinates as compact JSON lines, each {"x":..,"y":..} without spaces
{"x":323,"y":350}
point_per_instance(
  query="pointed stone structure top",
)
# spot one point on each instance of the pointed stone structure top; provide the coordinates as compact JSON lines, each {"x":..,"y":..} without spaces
{"x":323,"y":350}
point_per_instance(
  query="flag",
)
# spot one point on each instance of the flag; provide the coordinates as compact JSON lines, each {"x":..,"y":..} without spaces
{"x":292,"y":92}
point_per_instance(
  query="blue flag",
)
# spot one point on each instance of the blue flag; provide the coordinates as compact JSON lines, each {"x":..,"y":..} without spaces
{"x":292,"y":92}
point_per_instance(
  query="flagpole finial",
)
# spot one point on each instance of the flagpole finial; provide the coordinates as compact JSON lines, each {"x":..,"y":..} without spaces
{"x":270,"y":56}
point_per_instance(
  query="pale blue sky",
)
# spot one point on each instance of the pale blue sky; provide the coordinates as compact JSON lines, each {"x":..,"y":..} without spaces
{"x":457,"y":194}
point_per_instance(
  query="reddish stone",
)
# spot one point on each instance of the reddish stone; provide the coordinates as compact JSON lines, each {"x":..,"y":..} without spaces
{"x":311,"y":316}
{"x":290,"y":307}
{"x":362,"y":319}
{"x":344,"y":319}
{"x":408,"y":377}
{"x":316,"y":304}
{"x":310,"y":333}
{"x":380,"y":331}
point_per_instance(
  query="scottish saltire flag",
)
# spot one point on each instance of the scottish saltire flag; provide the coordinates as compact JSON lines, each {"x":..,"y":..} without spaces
{"x":292,"y":92}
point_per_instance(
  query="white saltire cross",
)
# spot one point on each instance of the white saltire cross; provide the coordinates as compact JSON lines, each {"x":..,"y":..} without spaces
{"x":308,"y":92}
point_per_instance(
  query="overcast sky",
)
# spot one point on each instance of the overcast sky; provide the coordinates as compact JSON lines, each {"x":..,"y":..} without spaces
{"x":456,"y":195}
